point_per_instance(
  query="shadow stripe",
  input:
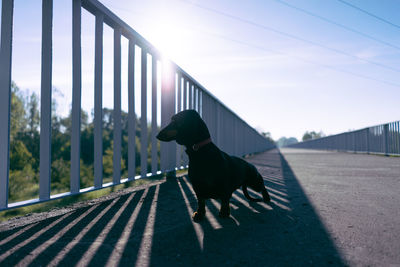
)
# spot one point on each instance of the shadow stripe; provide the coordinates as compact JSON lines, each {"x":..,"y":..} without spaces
{"x":32,"y":238}
{"x":16,"y":234}
{"x":29,"y":258}
{"x":62,"y":254}
{"x":90,"y":252}
{"x":120,"y":246}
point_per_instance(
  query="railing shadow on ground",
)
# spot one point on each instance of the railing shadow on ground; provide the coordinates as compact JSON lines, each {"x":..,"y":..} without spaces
{"x":154,"y":227}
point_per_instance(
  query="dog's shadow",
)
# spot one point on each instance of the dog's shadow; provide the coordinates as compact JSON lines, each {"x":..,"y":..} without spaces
{"x":286,"y":231}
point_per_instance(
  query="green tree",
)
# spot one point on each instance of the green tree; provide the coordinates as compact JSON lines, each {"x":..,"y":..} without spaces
{"x":108,"y":164}
{"x":312,"y":135}
{"x":17,"y":119}
{"x":60,"y":175}
{"x":33,"y":114}
{"x":283,"y":141}
{"x":19,"y":155}
{"x":267,"y":135}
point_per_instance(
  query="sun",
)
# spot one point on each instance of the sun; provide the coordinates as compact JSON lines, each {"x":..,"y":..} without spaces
{"x":167,"y":37}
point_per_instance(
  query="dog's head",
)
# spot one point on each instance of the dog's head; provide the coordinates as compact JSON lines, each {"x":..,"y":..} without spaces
{"x":186,"y":127}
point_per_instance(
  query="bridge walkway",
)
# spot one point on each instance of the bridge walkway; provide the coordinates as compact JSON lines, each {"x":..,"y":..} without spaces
{"x":327,"y":208}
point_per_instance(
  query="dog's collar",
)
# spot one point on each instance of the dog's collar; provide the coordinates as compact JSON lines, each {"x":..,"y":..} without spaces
{"x":199,"y":145}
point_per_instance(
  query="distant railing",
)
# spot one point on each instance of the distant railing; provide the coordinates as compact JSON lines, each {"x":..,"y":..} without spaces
{"x":179,"y":91}
{"x":380,"y":139}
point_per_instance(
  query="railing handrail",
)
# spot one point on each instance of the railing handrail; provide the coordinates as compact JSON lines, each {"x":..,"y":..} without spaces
{"x":366,"y":140}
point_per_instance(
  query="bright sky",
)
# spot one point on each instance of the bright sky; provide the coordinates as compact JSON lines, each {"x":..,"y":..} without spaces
{"x":283,"y":66}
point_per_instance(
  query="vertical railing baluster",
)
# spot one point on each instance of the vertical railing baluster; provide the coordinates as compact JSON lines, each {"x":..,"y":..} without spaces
{"x":168,"y":150}
{"x":154,"y":156}
{"x":45,"y":101}
{"x":164,"y":120}
{"x":195,"y":98}
{"x":218,"y":121}
{"x":179,"y":88}
{"x":171,"y":111}
{"x":201,"y":102}
{"x":397,"y":137}
{"x":367,"y":137}
{"x":117,"y":107}
{"x":143,"y":118}
{"x":179,"y":108}
{"x":190,"y":95}
{"x":131,"y":111}
{"x":76,"y":97}
{"x":185,"y":95}
{"x":386,"y":139}
{"x":7,"y":9}
{"x":98,"y":102}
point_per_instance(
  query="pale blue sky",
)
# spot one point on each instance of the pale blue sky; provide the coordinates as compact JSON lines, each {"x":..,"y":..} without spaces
{"x":280,"y":68}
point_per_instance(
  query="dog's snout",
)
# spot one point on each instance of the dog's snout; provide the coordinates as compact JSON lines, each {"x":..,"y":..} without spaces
{"x":167,"y":134}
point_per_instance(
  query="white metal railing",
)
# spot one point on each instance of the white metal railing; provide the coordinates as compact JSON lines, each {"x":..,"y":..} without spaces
{"x":179,"y":91}
{"x":380,"y":139}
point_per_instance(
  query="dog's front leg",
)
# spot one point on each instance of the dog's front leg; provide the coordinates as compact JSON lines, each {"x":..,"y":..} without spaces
{"x":201,"y":210}
{"x":225,"y":211}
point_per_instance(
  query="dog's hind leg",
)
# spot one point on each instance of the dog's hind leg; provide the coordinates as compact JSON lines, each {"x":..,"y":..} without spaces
{"x":225,"y":211}
{"x":262,"y":188}
{"x":265,"y":195}
{"x":201,"y":210}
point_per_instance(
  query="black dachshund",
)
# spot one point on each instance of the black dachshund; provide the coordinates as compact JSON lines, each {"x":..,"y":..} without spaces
{"x":212,"y":172}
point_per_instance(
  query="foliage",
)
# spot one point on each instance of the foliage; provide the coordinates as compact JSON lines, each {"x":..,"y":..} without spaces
{"x":25,"y":147}
{"x":312,"y":135}
{"x":283,"y":141}
{"x":267,"y":135}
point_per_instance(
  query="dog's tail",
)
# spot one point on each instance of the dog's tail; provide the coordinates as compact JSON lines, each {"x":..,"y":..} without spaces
{"x":266,"y":198}
{"x":246,"y":194}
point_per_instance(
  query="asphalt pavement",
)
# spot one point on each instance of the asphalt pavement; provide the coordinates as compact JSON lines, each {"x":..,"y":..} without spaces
{"x":327,"y":209}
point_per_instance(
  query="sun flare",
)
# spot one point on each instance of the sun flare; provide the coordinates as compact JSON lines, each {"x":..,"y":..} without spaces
{"x":167,"y":37}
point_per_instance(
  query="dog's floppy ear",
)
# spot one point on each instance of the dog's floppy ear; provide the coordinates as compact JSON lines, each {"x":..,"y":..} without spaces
{"x":168,"y":133}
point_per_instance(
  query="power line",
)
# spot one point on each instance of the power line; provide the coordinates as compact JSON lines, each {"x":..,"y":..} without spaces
{"x":258,"y":47}
{"x":337,"y":24}
{"x":370,"y":14}
{"x":264,"y":27}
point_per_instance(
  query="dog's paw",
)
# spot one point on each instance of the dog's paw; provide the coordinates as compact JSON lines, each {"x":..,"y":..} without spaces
{"x":224,"y":213}
{"x":197,"y":216}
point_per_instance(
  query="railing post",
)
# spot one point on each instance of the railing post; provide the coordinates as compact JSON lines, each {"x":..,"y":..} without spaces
{"x":218,"y":121}
{"x":117,"y":107}
{"x":131,"y":111}
{"x":154,"y":156}
{"x":185,"y":95}
{"x":143,"y":116}
{"x":396,"y":138}
{"x":98,"y":99}
{"x":168,"y":150}
{"x":5,"y":97}
{"x":190,"y":95}
{"x":179,"y":108}
{"x":196,"y":99}
{"x":76,"y":97}
{"x":45,"y":101}
{"x":386,"y":139}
